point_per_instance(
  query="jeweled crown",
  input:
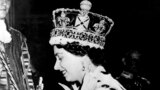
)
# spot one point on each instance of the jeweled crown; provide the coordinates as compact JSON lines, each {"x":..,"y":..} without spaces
{"x":83,"y":26}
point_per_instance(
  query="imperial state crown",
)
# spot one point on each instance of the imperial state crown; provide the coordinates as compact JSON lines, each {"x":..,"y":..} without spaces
{"x":82,"y":26}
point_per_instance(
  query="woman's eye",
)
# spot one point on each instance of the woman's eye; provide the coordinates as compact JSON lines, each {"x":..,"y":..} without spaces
{"x":59,"y":58}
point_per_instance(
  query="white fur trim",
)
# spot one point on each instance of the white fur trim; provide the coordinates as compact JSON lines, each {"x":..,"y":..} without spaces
{"x":5,"y":36}
{"x":63,"y":41}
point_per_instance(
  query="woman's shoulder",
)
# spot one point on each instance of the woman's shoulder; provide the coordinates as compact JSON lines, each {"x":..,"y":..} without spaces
{"x":107,"y":82}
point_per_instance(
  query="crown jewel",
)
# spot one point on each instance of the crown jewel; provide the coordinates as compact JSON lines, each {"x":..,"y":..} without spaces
{"x":83,"y":26}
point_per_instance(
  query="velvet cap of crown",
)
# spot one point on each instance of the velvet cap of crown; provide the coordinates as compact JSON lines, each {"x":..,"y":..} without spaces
{"x":82,"y":26}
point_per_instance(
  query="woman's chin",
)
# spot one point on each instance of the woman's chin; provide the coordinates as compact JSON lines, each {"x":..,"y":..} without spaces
{"x":69,"y":79}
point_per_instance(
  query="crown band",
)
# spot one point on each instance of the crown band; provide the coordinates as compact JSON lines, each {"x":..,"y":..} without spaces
{"x":87,"y":37}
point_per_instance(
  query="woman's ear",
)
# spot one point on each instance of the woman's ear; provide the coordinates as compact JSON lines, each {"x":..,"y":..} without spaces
{"x":85,"y":62}
{"x":83,"y":65}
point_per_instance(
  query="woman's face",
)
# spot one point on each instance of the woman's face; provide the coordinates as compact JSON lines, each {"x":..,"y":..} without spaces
{"x":4,"y":7}
{"x":70,"y":65}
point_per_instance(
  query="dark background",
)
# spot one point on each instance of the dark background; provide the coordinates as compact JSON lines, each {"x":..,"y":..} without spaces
{"x":134,"y":29}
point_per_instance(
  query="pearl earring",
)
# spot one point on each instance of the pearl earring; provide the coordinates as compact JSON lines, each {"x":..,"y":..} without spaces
{"x":83,"y":68}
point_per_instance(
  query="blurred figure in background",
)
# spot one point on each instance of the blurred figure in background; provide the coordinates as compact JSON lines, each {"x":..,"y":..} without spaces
{"x":15,"y":69}
{"x":131,"y":76}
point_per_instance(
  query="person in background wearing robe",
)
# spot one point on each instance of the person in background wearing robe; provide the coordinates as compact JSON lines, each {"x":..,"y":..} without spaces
{"x":15,"y":69}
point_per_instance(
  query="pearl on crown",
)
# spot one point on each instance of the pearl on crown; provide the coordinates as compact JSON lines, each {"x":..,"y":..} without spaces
{"x":85,"y":5}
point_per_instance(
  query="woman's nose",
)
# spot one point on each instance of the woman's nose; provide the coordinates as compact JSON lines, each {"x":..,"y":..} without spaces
{"x":57,"y":65}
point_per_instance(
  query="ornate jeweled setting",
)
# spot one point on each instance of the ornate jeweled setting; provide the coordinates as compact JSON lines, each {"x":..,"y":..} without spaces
{"x":83,"y":26}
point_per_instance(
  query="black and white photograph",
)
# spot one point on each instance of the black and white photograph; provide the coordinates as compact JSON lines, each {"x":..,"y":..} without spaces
{"x":78,"y":44}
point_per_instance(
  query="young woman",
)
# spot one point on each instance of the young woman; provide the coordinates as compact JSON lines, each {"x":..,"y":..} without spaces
{"x":78,"y":46}
{"x":85,"y":65}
